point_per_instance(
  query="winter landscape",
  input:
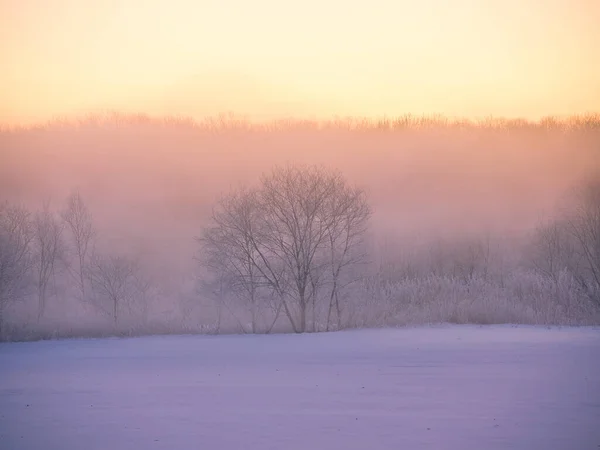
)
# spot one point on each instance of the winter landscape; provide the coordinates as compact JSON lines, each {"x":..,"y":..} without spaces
{"x":299,"y":225}
{"x":443,"y":387}
{"x":298,"y":310}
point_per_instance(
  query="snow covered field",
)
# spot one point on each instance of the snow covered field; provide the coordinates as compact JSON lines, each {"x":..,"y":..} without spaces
{"x":451,"y":387}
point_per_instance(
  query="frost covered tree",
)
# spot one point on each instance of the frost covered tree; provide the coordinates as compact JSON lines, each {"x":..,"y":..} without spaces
{"x":346,"y":213}
{"x":584,"y":224}
{"x":552,"y":251}
{"x":15,"y":255}
{"x":81,"y":233}
{"x":116,"y":283}
{"x":296,"y":235}
{"x":571,"y":244}
{"x":48,"y":252}
{"x":228,"y":251}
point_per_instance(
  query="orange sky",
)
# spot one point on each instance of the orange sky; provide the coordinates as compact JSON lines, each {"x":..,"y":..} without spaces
{"x":265,"y":58}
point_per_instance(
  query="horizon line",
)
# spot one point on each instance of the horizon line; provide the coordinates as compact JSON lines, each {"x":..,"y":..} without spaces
{"x":233,"y":120}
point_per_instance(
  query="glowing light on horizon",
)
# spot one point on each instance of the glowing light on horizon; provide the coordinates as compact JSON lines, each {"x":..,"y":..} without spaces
{"x":264,"y":59}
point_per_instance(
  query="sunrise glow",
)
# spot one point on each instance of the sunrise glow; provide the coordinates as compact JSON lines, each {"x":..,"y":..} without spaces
{"x":270,"y":58}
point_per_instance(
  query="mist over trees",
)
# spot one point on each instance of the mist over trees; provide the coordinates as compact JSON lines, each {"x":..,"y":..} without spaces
{"x":290,"y":244}
{"x":77,"y":220}
{"x":166,"y":227}
{"x":15,"y":256}
{"x":570,"y":246}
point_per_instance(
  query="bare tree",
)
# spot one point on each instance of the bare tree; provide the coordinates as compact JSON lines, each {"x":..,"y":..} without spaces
{"x":471,"y":258}
{"x":229,"y":253}
{"x":296,"y":227}
{"x":347,"y":213}
{"x":15,"y":255}
{"x":79,"y":222}
{"x":584,"y":224}
{"x":552,"y":250}
{"x":301,"y":223}
{"x":49,"y":248}
{"x":113,"y":278}
{"x":571,"y":243}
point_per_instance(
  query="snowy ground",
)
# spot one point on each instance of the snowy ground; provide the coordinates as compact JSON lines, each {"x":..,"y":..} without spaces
{"x":436,"y":388}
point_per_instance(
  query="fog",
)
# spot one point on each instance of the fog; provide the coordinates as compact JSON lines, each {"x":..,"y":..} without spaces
{"x":151,"y":184}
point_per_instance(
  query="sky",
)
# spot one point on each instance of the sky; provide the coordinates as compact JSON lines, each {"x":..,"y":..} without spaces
{"x":310,"y":58}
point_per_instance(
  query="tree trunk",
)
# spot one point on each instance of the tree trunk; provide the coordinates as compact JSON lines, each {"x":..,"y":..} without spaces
{"x":302,"y":319}
{"x":270,"y":328}
{"x":338,"y":309}
{"x":302,"y":302}
{"x":288,"y":313}
{"x":314,"y":312}
{"x":219,"y":313}
{"x":81,"y":277}
{"x":331,"y":298}
{"x":41,"y":301}
{"x":253,"y":316}
{"x":115,"y":316}
{"x":1,"y":319}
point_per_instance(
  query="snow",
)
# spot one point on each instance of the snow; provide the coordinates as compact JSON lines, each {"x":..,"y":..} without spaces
{"x":446,"y":387}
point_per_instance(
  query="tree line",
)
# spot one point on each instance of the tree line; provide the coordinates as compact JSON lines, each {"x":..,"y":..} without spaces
{"x":295,"y":249}
{"x":40,"y":251}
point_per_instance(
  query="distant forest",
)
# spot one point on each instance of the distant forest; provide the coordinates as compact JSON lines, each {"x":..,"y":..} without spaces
{"x":127,"y":224}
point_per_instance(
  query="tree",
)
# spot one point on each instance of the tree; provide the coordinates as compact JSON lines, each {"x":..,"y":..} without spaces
{"x":584,"y":225}
{"x":348,"y":212}
{"x":79,"y":222}
{"x":471,"y":258}
{"x":571,"y":243}
{"x":552,"y":250}
{"x":49,"y":247}
{"x":296,"y":233}
{"x":228,"y":251}
{"x":115,"y":280}
{"x":15,"y":255}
